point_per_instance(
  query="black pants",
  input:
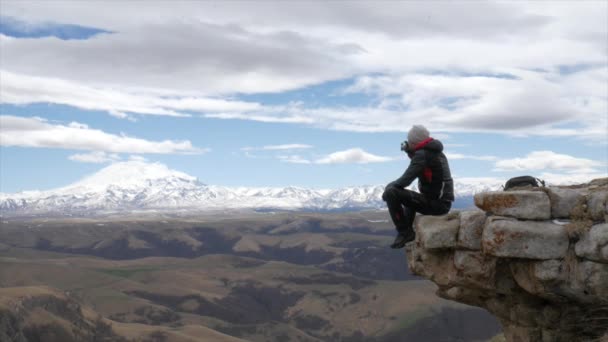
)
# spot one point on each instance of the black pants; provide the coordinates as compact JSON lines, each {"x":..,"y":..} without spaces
{"x":403,"y":205}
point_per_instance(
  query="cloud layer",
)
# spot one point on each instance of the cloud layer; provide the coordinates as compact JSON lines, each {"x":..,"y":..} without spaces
{"x":23,"y":89}
{"x":39,"y":133}
{"x":353,"y":155}
{"x":172,"y":55}
{"x":278,"y":147}
{"x":95,"y":157}
{"x":517,"y":67}
{"x":521,"y":102}
{"x":548,"y":160}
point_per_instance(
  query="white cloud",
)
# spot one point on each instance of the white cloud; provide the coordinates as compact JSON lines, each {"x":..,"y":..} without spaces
{"x":548,"y":160}
{"x":112,"y":112}
{"x":37,"y":132}
{"x":353,"y":155}
{"x":294,"y":159}
{"x":168,"y":54}
{"x":525,"y":103}
{"x":23,"y":89}
{"x":138,"y":158}
{"x":415,"y":19}
{"x":552,"y":178}
{"x":278,"y":147}
{"x":269,"y":114}
{"x":470,"y":20}
{"x":457,"y":156}
{"x":286,"y":147}
{"x":96,"y":157}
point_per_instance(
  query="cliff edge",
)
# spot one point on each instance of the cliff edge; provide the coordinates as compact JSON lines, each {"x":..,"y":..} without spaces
{"x":536,"y":258}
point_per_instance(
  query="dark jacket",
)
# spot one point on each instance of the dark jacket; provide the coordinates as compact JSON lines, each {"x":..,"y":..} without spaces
{"x":430,"y":166}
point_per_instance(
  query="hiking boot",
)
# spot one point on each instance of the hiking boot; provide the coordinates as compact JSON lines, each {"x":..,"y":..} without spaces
{"x":402,"y":238}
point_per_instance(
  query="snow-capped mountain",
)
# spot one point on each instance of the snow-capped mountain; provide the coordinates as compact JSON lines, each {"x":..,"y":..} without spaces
{"x":136,"y":185}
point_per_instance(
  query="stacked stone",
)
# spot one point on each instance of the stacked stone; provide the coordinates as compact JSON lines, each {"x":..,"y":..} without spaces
{"x":536,"y":258}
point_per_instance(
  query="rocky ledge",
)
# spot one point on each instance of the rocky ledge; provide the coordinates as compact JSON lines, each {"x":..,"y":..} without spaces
{"x":536,"y":258}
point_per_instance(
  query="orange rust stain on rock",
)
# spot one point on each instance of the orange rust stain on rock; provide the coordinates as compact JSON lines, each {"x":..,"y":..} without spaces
{"x":499,"y":237}
{"x":490,"y":246}
{"x":495,"y":202}
{"x":517,"y":235}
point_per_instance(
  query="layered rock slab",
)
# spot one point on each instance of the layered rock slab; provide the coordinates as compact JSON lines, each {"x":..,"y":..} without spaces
{"x":471,"y":228}
{"x":593,"y":244}
{"x":524,"y":239}
{"x":527,"y":205}
{"x":520,"y":259}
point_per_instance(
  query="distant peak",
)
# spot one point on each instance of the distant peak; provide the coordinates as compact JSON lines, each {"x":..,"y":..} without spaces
{"x":130,"y":173}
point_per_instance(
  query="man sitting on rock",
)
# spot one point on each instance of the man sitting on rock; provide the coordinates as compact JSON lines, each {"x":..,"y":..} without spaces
{"x":430,"y":166}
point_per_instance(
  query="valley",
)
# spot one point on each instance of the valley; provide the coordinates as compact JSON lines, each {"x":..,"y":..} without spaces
{"x":256,"y":277}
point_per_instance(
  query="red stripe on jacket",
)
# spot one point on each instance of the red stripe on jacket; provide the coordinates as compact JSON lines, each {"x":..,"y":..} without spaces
{"x":427,"y":173}
{"x":423,"y":143}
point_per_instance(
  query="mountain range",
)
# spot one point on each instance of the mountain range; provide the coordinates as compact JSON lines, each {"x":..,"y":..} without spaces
{"x":134,"y":186}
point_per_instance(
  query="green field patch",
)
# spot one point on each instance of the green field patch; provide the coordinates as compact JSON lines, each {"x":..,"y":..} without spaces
{"x":409,"y":320}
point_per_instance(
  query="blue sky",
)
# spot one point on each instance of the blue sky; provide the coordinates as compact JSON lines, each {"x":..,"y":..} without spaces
{"x":236,"y":96}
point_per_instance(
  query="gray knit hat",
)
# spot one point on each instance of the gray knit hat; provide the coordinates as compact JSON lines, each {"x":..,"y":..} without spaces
{"x":417,"y":134}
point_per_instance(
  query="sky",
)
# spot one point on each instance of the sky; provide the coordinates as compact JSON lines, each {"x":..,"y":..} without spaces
{"x":312,"y":94}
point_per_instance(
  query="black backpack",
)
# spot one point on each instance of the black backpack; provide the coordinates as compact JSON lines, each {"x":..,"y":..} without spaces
{"x":523,"y":181}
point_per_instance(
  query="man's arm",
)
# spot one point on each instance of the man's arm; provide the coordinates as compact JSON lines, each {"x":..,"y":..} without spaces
{"x":413,"y":170}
